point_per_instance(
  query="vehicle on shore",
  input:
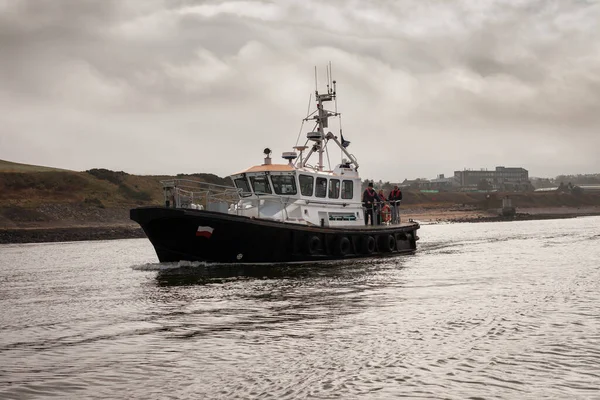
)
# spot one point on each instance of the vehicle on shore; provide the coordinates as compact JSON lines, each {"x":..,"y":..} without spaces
{"x":277,"y":213}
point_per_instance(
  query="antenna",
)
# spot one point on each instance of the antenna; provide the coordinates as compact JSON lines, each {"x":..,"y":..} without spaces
{"x":335,"y":103}
{"x":331,"y":75}
{"x":321,"y":116}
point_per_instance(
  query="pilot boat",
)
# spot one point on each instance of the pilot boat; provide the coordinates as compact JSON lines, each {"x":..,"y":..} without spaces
{"x":296,"y":211}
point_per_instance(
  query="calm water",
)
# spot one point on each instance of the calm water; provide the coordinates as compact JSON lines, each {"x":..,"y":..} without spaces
{"x":503,"y":310}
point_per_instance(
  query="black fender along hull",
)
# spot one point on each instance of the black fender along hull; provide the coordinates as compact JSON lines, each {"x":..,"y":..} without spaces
{"x":198,"y":235}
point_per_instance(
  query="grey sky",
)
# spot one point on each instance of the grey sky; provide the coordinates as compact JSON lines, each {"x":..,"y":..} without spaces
{"x":425,"y":86}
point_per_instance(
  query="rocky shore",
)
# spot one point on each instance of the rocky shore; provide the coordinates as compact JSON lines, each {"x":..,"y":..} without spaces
{"x":69,"y":234}
{"x":454,"y":215}
{"x":516,"y":217}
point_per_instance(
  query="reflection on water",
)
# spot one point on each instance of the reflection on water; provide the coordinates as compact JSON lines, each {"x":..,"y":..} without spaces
{"x":187,"y":273}
{"x":505,"y":310}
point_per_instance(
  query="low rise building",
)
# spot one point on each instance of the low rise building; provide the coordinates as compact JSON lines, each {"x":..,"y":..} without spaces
{"x":440,"y":183}
{"x":502,"y":178}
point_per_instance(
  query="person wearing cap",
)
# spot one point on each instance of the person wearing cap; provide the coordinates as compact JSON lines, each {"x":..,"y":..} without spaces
{"x":394,"y":199}
{"x":369,"y":198}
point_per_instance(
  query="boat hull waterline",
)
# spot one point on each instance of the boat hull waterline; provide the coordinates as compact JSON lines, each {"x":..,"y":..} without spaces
{"x":198,"y":235}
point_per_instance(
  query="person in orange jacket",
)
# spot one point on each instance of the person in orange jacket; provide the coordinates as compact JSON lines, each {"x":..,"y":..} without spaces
{"x":394,"y":198}
{"x":380,"y":205}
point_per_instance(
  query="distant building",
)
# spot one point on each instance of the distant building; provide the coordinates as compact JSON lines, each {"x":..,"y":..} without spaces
{"x":502,"y":178}
{"x":540,"y":183}
{"x":415,"y":184}
{"x":572,"y":189}
{"x":441,"y":184}
{"x":590,"y":188}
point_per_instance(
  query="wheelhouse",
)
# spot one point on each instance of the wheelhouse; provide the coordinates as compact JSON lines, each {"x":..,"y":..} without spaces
{"x":299,"y":184}
{"x":300,"y":195}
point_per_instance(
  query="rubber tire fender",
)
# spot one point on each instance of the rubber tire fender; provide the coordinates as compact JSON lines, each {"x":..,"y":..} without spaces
{"x":313,"y":245}
{"x":343,"y":246}
{"x":387,"y":243}
{"x":367,"y":245}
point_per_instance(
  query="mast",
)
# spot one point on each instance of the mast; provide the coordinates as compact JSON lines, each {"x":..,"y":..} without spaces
{"x":322,"y":117}
{"x":320,"y":135}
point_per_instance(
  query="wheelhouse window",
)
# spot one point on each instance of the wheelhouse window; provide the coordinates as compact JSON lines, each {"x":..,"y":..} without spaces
{"x":334,"y":188}
{"x":306,"y":185}
{"x":242,"y":184}
{"x":284,"y":184}
{"x":260,"y":184}
{"x":321,"y":189}
{"x":347,"y":189}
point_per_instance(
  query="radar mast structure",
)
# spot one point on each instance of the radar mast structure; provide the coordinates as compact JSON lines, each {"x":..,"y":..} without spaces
{"x":321,"y":116}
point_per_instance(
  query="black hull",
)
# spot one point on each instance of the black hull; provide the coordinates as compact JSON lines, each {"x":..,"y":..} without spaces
{"x":235,"y":239}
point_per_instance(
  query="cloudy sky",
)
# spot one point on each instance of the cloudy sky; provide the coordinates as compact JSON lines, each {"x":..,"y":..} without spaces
{"x":425,"y":86}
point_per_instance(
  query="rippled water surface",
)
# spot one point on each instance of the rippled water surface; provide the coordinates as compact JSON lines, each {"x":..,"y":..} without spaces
{"x":489,"y":310}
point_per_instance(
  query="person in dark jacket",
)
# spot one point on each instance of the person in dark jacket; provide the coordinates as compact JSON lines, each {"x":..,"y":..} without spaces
{"x":394,"y":198}
{"x":369,"y":198}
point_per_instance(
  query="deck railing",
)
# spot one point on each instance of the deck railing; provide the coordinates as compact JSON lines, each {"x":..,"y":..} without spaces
{"x":186,"y":193}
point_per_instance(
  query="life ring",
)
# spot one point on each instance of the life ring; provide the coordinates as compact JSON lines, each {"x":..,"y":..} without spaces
{"x":344,"y":247}
{"x":367,"y":245}
{"x":313,"y":245}
{"x":386,"y":213}
{"x":387,"y":243}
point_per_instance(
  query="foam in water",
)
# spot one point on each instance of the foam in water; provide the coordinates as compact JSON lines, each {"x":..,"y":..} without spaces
{"x":168,"y":266}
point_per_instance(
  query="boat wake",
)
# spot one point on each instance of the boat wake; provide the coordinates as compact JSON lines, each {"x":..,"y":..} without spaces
{"x":186,"y":272}
{"x":167,"y":266}
{"x":199,"y":266}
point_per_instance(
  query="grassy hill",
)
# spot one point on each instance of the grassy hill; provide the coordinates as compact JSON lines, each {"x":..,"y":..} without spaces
{"x":9,"y":166}
{"x":35,"y":196}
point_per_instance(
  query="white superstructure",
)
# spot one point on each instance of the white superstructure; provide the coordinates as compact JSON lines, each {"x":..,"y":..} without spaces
{"x":302,"y":193}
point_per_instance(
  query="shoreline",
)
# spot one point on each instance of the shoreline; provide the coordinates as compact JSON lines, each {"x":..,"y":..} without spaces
{"x":16,"y":235}
{"x":69,"y":234}
{"x":454,"y":215}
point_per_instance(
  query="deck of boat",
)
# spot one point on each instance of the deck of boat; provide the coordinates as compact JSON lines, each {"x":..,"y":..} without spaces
{"x":391,"y":226}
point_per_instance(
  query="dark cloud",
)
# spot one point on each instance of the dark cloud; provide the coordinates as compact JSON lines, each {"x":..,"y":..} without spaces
{"x":427,"y":86}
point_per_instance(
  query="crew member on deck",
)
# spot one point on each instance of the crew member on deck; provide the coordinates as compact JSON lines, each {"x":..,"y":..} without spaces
{"x":394,"y":198}
{"x":380,"y":205}
{"x":369,"y":198}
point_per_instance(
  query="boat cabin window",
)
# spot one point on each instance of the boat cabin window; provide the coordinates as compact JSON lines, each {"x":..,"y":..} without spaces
{"x":284,"y":184}
{"x":242,"y":183}
{"x":321,"y":189}
{"x":334,"y":188}
{"x":347,"y":189}
{"x":306,"y":185}
{"x":260,"y":184}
